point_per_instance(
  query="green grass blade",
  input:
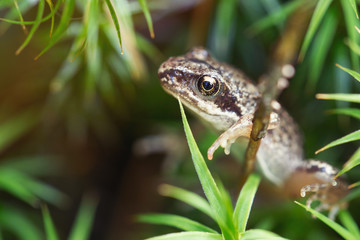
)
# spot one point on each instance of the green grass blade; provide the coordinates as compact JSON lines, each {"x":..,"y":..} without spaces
{"x":352,"y":195}
{"x":276,"y":17}
{"x":351,"y":23}
{"x":147,"y":15}
{"x":260,"y":234}
{"x":208,"y":184}
{"x":351,"y":72}
{"x":14,"y":128}
{"x":348,"y":138}
{"x":347,"y":220}
{"x":84,"y":219}
{"x":353,"y":46}
{"x":356,"y":184}
{"x":115,"y":20}
{"x":51,"y":6}
{"x":180,"y":222}
{"x":319,"y":12}
{"x":17,"y":221}
{"x":44,"y":19}
{"x":353,"y":6}
{"x":20,"y":16}
{"x":189,"y":236}
{"x":35,"y":26}
{"x":245,"y":201}
{"x":50,"y":230}
{"x":67,"y":12}
{"x":188,"y":197}
{"x":351,"y":163}
{"x":352,"y":112}
{"x":340,"y":97}
{"x":10,"y":181}
{"x":333,"y":225}
{"x":322,"y":44}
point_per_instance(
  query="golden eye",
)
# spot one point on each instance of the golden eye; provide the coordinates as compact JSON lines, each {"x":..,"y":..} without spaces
{"x":208,"y":86}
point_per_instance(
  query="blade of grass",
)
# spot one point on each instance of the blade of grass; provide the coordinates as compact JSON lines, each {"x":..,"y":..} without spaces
{"x":276,"y":17}
{"x":356,"y":184}
{"x":260,"y":234}
{"x":188,"y":197}
{"x":352,"y":195}
{"x":208,"y":184}
{"x":322,"y":44}
{"x":50,"y":230}
{"x":351,"y":72}
{"x":147,"y":15}
{"x":69,"y":6}
{"x":188,"y":236}
{"x":350,"y":21}
{"x":353,"y":5}
{"x":84,"y":219}
{"x":245,"y":201}
{"x":180,"y":222}
{"x":333,"y":225}
{"x":51,"y":6}
{"x":319,"y":12}
{"x":34,"y":27}
{"x":348,"y":138}
{"x":20,"y":16}
{"x":16,"y":221}
{"x":44,"y":19}
{"x":347,"y":220}
{"x":351,"y":163}
{"x":115,"y":21}
{"x":339,"y":96}
{"x":353,"y":46}
{"x":10,"y":181}
{"x":353,"y":112}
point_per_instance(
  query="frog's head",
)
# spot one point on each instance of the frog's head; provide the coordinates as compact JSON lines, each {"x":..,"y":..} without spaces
{"x":218,"y":93}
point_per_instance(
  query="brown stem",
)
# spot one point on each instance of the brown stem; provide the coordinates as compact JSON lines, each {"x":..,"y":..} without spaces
{"x":285,"y":53}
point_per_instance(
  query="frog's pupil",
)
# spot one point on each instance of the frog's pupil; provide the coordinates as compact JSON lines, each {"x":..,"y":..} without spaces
{"x":207,"y":85}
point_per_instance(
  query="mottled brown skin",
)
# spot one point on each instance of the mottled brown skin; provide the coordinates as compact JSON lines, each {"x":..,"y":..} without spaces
{"x":280,"y":156}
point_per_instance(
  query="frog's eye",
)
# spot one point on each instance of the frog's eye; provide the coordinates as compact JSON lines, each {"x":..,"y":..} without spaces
{"x":208,"y":86}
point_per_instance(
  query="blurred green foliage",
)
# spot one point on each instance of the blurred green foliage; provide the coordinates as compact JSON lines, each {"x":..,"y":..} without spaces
{"x":92,"y":92}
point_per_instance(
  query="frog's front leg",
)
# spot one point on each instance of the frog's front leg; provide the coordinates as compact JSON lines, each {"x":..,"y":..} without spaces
{"x":242,"y":128}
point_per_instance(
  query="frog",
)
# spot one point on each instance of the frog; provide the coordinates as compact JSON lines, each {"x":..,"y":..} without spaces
{"x":223,"y":97}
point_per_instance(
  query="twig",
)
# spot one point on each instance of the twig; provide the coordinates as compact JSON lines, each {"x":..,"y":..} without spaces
{"x":284,"y":55}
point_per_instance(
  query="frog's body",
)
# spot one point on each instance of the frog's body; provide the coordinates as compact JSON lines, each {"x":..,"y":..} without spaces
{"x":226,"y":99}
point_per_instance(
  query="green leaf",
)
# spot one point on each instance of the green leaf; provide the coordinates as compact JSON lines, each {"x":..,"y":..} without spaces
{"x":51,"y":6}
{"x":84,"y":219}
{"x":146,"y":12}
{"x":260,"y":234}
{"x":276,"y":17}
{"x":318,"y":15}
{"x":322,"y":44}
{"x":351,"y":72}
{"x":20,"y":15}
{"x":245,"y":201}
{"x":67,"y":12}
{"x":347,"y":220}
{"x":208,"y":184}
{"x":115,"y":20}
{"x":14,"y":128}
{"x":352,"y":195}
{"x":34,"y":27}
{"x":353,"y":5}
{"x":333,"y":225}
{"x":180,"y":222}
{"x":340,"y":97}
{"x":351,"y":163}
{"x":353,"y":112}
{"x":16,"y":221}
{"x":188,"y":197}
{"x":49,"y":225}
{"x":189,"y":236}
{"x":348,"y":138}
{"x":351,"y":23}
{"x":356,"y":184}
